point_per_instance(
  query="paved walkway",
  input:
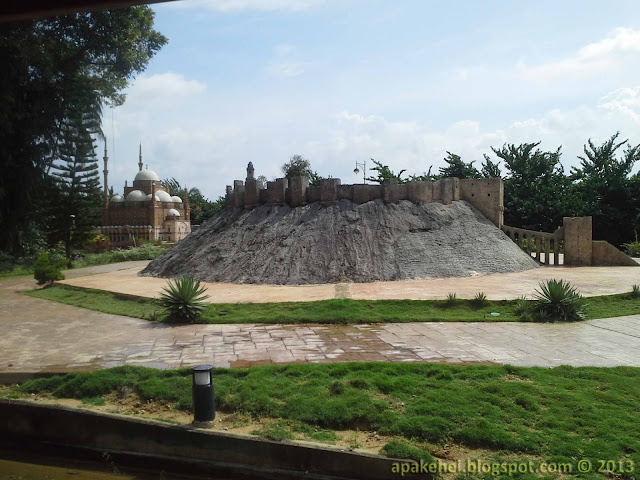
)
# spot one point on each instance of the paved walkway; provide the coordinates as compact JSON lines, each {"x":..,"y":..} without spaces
{"x":589,"y":281}
{"x":38,"y":335}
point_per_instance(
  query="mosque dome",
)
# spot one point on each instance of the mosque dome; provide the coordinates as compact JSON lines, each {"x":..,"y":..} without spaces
{"x":149,"y":197}
{"x":146,"y":175}
{"x":117,"y":199}
{"x":163,"y":196}
{"x":176,"y":199}
{"x":136,"y":196}
{"x":173,"y":213}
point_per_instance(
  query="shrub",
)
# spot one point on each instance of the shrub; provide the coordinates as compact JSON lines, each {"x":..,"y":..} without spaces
{"x":184,"y":299}
{"x":635,"y":291}
{"x":480,"y":300}
{"x":47,"y":270}
{"x":557,"y":300}
{"x":97,"y":244}
{"x":451,"y":300}
{"x":633,"y":248}
{"x":522,"y":306}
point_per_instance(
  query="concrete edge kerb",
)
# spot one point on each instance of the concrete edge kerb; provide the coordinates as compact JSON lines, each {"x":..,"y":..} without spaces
{"x":75,"y":427}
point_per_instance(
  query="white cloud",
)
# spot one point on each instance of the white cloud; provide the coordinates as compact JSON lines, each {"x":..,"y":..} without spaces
{"x":286,"y":64}
{"x":621,"y":44}
{"x":163,"y":89}
{"x":231,"y":6}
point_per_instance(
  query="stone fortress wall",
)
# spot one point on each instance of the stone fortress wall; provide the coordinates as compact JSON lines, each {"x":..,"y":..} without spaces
{"x":486,"y":195}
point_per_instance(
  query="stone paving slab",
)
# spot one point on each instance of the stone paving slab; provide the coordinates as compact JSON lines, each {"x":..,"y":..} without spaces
{"x":37,"y":336}
{"x":590,"y":281}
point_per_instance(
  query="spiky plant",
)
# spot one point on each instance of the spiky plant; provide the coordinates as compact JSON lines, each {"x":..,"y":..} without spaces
{"x":523,"y":306}
{"x":451,"y":300}
{"x":557,"y":300}
{"x":184,"y":299}
{"x":635,"y":291}
{"x":480,"y":300}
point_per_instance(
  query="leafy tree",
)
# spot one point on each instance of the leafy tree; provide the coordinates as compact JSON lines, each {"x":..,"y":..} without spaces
{"x":537,"y":194}
{"x":457,"y":168}
{"x":607,"y":192}
{"x":76,"y":208}
{"x":298,"y":166}
{"x":385,"y":173}
{"x":43,"y":62}
{"x":490,"y":169}
{"x":200,"y":207}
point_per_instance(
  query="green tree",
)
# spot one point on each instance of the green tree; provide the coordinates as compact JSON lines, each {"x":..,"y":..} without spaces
{"x":490,"y":169}
{"x":298,"y":166}
{"x":200,"y":208}
{"x":457,"y":168}
{"x":607,"y":192}
{"x":75,"y":210}
{"x":43,"y":61}
{"x":385,"y":174}
{"x":537,"y":194}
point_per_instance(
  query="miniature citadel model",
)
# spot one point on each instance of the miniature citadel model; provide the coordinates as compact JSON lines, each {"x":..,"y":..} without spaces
{"x":287,"y":232}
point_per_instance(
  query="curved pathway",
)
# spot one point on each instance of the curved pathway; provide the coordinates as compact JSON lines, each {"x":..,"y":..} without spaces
{"x":38,"y":336}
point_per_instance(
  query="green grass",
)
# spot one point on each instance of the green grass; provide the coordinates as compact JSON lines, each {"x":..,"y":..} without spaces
{"x":143,"y":252}
{"x":562,"y":414}
{"x":339,"y":311}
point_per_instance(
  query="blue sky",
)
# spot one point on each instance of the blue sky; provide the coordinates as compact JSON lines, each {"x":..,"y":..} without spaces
{"x":399,"y":81}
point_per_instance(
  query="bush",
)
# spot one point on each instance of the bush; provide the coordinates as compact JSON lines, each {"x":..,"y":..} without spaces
{"x":183,"y":299}
{"x":451,"y":300}
{"x":47,"y":269}
{"x":480,"y":300}
{"x":635,"y":291}
{"x":633,"y":248}
{"x":97,"y":244}
{"x":403,"y":450}
{"x":557,"y":300}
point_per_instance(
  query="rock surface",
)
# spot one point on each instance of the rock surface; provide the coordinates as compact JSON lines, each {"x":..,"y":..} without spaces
{"x":342,"y":242}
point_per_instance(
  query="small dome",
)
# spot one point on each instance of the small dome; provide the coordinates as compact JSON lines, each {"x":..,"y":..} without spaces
{"x":173,"y":213}
{"x":176,"y":199}
{"x":147,"y":175}
{"x":149,"y":198}
{"x":117,"y":199}
{"x":163,"y":196}
{"x":136,"y":196}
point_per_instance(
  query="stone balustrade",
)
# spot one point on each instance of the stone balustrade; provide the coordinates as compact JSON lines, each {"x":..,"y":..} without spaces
{"x":539,"y":243}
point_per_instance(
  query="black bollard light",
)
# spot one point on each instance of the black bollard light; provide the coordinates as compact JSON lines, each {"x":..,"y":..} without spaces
{"x":204,"y":408}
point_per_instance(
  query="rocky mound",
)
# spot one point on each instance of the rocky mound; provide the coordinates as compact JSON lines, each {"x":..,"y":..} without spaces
{"x":342,"y":242}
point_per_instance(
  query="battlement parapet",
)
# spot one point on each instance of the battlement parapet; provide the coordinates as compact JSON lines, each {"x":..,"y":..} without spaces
{"x":485,"y":194}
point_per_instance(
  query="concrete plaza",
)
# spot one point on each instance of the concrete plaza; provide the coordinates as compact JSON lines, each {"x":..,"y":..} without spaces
{"x":38,"y":335}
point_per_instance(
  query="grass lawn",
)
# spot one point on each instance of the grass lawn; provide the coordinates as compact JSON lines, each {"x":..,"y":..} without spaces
{"x":497,"y":413}
{"x":341,"y":311}
{"x":143,"y":252}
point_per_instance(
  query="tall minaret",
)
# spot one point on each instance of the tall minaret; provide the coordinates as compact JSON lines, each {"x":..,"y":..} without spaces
{"x":140,"y":159}
{"x":106,"y":175}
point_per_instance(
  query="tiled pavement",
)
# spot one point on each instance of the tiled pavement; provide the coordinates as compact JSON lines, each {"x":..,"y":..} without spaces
{"x":37,"y":335}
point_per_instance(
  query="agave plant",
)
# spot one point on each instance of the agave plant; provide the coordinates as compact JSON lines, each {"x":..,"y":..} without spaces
{"x":557,"y":300}
{"x":480,"y":300}
{"x":635,"y":291}
{"x":184,"y":299}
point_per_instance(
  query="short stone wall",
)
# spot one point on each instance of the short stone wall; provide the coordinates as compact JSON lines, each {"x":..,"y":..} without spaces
{"x":484,"y":194}
{"x":103,"y":432}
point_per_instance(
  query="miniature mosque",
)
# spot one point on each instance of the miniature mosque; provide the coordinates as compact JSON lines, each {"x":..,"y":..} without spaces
{"x":145,"y":211}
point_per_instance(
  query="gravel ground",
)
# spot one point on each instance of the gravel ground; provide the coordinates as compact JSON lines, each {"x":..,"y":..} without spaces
{"x":342,"y":242}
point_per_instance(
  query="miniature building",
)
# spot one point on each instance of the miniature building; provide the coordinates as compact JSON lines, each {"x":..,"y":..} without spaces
{"x":145,"y":211}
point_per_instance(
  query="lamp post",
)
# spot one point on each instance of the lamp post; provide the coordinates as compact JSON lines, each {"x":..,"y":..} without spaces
{"x":72,"y":226}
{"x":364,"y":170}
{"x":204,"y":408}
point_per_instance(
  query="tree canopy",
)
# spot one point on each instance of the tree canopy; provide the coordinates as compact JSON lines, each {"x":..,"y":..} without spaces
{"x":44,"y":65}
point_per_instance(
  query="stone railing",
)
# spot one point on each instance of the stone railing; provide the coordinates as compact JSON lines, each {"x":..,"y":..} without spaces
{"x":538,"y":244}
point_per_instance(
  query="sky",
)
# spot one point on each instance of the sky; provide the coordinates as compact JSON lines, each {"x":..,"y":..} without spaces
{"x":400,"y":81}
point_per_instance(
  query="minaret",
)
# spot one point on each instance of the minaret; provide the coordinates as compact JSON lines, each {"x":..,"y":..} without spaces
{"x":106,"y":174}
{"x":187,"y":210}
{"x":140,"y":159}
